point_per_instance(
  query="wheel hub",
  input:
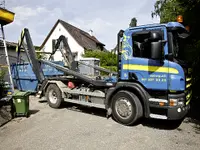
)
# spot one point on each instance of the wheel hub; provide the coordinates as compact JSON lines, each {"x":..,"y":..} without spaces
{"x":52,"y":96}
{"x":123,"y":108}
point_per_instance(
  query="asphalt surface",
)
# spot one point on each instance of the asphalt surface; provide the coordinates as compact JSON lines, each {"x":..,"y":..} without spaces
{"x":87,"y":128}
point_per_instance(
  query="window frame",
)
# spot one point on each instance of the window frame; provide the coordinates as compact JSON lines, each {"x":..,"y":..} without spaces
{"x":164,"y":37}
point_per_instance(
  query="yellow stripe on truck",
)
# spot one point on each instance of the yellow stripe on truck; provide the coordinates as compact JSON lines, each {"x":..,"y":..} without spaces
{"x":150,"y":68}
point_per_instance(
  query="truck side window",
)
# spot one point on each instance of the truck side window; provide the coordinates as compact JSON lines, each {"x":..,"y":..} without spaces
{"x":142,"y":44}
{"x":142,"y":49}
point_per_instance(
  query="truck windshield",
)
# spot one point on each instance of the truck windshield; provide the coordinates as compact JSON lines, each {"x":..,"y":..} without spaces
{"x":177,"y":45}
{"x":176,"y":49}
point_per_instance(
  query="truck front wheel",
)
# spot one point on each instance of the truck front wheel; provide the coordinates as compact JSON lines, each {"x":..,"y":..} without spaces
{"x":126,"y":107}
{"x":54,"y":96}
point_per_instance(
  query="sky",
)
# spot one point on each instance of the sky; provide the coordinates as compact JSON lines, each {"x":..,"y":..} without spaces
{"x":104,"y":17}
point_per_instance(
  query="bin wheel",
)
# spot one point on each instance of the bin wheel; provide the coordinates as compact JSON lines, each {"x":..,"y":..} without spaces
{"x":54,"y":96}
{"x":126,"y":108}
{"x":27,"y":115}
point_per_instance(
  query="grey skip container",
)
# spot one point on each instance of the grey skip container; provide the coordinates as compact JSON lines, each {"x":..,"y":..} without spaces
{"x":89,"y":70}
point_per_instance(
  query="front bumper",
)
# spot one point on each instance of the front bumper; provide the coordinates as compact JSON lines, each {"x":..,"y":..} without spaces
{"x":177,"y":113}
{"x":168,"y":112}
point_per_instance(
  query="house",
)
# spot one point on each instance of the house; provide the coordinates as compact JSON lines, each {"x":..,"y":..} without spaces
{"x":78,"y":40}
{"x":12,"y":55}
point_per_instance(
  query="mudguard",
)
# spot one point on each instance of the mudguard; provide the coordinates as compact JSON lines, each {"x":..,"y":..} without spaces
{"x":134,"y":87}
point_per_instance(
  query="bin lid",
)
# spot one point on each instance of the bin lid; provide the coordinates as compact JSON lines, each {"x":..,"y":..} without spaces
{"x":21,"y":93}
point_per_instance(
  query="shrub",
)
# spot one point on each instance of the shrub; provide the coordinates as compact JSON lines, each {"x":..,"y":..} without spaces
{"x":107,"y":59}
{"x":2,"y":75}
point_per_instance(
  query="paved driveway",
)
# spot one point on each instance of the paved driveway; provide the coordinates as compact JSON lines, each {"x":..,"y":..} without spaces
{"x":85,"y":128}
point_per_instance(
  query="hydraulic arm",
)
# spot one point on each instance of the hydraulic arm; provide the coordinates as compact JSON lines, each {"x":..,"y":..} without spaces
{"x":62,"y":44}
{"x":35,"y":63}
{"x":25,"y":42}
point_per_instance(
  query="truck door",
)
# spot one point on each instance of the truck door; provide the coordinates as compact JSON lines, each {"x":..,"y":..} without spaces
{"x":153,"y":74}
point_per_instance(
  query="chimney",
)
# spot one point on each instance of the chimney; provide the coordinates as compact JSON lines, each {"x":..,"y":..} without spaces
{"x":91,"y":32}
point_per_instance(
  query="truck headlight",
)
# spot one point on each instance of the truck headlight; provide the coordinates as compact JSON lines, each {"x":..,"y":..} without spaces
{"x":173,"y":102}
{"x":176,"y":102}
{"x":181,"y":101}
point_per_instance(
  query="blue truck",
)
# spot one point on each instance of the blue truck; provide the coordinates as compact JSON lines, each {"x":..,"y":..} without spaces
{"x":152,"y":80}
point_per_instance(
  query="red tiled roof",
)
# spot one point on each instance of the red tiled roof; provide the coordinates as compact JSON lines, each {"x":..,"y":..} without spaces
{"x":83,"y":38}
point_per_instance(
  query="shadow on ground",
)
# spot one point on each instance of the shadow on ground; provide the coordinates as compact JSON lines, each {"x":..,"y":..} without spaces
{"x":84,"y":109}
{"x":192,"y":117}
{"x":152,"y":123}
{"x":33,"y":111}
{"x":162,"y":124}
{"x":194,"y":112}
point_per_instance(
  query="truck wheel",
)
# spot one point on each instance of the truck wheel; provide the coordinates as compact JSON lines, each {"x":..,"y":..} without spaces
{"x":126,"y":108}
{"x":54,"y":96}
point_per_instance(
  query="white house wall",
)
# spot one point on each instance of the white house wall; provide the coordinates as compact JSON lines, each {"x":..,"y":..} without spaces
{"x":58,"y":31}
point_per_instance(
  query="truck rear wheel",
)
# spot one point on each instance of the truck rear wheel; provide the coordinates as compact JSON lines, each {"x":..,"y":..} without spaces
{"x":126,"y":108}
{"x":54,"y":96}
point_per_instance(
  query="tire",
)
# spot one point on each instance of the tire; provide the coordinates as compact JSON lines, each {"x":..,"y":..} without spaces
{"x":54,"y":96}
{"x":131,"y":100}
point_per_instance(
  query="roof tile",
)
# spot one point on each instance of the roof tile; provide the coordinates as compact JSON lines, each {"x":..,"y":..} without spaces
{"x":83,"y":38}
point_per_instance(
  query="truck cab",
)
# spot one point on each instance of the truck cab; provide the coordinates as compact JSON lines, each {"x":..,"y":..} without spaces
{"x":150,"y":56}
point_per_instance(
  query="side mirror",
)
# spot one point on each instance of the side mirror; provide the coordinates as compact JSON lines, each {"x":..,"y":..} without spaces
{"x":155,"y":36}
{"x":156,"y":50}
{"x":169,"y":56}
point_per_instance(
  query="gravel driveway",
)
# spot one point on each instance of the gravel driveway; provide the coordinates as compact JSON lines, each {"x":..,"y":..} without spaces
{"x":87,"y":128}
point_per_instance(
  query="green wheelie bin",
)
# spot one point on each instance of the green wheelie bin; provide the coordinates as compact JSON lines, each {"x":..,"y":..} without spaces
{"x":21,"y":103}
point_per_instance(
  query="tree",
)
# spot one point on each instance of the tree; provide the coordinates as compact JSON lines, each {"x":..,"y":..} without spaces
{"x":2,"y":84}
{"x":133,"y":22}
{"x":108,"y":60}
{"x":168,"y":10}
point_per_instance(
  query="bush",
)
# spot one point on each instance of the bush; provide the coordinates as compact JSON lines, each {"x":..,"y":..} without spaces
{"x":111,"y":68}
{"x":2,"y":84}
{"x":107,"y":59}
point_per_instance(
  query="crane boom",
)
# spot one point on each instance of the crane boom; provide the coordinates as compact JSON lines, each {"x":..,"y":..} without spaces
{"x":68,"y":56}
{"x":30,"y":51}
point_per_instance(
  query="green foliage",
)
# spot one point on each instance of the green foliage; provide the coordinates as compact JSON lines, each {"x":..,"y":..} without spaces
{"x":38,"y":54}
{"x":2,"y":75}
{"x":168,"y":10}
{"x":133,"y":22}
{"x":108,"y":60}
{"x":111,"y":68}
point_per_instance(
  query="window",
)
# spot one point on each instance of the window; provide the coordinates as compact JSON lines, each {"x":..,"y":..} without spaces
{"x":142,"y":43}
{"x":175,"y":45}
{"x":141,"y":49}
